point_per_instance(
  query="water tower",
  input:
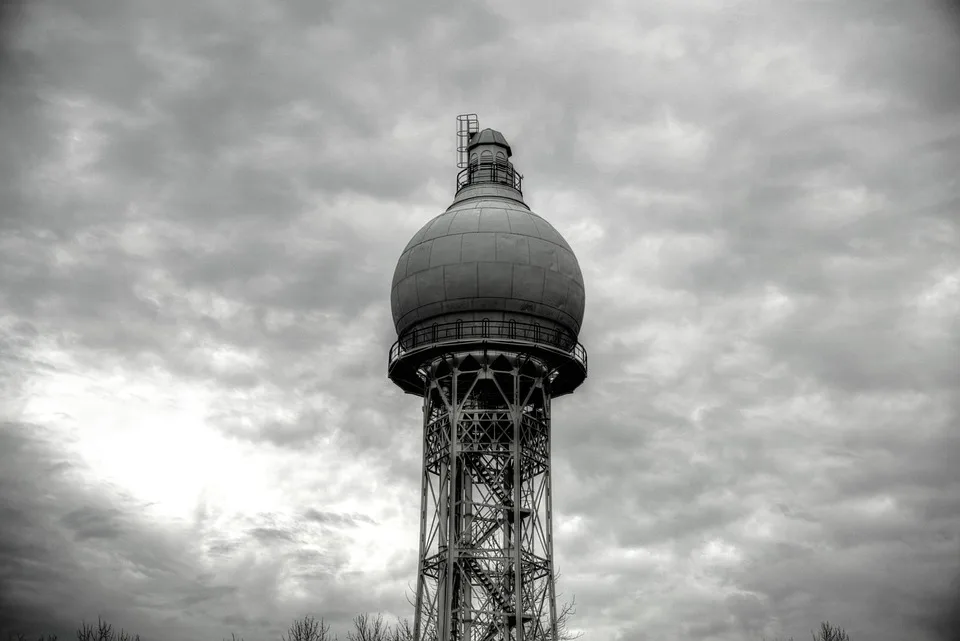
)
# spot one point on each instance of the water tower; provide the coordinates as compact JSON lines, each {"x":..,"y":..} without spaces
{"x":487,"y":300}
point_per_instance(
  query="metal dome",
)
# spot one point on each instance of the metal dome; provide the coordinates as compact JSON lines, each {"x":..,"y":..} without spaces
{"x":489,"y":137}
{"x":488,"y":256}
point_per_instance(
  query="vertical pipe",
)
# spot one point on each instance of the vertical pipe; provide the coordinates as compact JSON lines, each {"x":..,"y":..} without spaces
{"x":552,"y":587}
{"x":443,"y":547}
{"x":506,"y":548}
{"x":425,"y":480}
{"x":466,"y":605}
{"x":517,"y":496}
{"x":456,"y":543}
{"x":450,"y":517}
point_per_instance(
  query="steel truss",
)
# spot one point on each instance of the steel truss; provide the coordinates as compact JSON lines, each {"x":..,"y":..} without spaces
{"x":486,"y":542}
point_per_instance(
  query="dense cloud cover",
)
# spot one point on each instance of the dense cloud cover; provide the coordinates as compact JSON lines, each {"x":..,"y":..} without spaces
{"x":201,"y":206}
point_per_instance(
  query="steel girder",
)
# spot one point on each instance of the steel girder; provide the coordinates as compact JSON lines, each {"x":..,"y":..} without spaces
{"x":486,"y":543}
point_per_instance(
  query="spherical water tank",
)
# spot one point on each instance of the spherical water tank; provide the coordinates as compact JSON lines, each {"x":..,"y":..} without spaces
{"x":488,"y":256}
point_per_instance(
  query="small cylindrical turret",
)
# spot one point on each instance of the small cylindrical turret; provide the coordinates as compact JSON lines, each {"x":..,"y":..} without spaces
{"x":488,"y":156}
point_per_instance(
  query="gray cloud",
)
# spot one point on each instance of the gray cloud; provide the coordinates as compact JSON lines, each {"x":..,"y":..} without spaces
{"x":200,"y":209}
{"x":333,"y":519}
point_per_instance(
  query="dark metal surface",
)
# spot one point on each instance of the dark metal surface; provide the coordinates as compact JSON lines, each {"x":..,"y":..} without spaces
{"x":559,"y":349}
{"x":488,"y":137}
{"x":486,"y":328}
{"x":489,"y":255}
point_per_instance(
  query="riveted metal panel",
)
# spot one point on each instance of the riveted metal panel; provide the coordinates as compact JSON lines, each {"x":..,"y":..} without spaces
{"x":445,"y":251}
{"x":401,"y":269}
{"x":457,"y":305}
{"x":568,"y":264}
{"x":544,"y":254}
{"x":512,"y":248}
{"x":430,"y":286}
{"x":395,"y":307}
{"x":485,"y":305}
{"x":576,"y":302}
{"x":419,"y":259}
{"x":498,"y":287}
{"x":407,"y":294}
{"x":430,"y":310}
{"x":521,"y":222}
{"x":479,"y":247}
{"x":528,"y":285}
{"x":439,"y":226}
{"x":464,"y":221}
{"x":547,"y":232}
{"x":483,"y":194}
{"x":418,"y":237}
{"x":555,"y":287}
{"x":460,"y":281}
{"x":488,"y":137}
{"x":494,"y":219}
{"x":518,"y":306}
{"x":495,"y":279}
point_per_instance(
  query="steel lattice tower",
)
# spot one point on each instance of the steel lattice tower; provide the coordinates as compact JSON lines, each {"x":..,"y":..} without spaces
{"x":487,"y":300}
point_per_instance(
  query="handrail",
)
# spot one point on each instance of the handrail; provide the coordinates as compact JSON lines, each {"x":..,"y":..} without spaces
{"x":495,"y":171}
{"x":471,"y":330}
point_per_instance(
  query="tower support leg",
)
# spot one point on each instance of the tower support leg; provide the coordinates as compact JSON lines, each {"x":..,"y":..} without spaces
{"x":486,"y":547}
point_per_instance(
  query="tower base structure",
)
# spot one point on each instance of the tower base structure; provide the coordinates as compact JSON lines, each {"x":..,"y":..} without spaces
{"x":486,"y":542}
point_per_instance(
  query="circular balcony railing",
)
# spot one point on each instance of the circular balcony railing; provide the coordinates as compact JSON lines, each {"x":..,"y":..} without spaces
{"x":472,"y":331}
{"x":499,"y":172}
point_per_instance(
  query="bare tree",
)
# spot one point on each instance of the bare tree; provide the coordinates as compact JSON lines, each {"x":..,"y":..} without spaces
{"x":403,"y":631}
{"x":375,"y":629}
{"x":234,"y":637}
{"x":103,"y":632}
{"x":308,"y":629}
{"x":564,"y":633}
{"x":829,"y":632}
{"x":563,"y":622}
{"x":367,"y":628}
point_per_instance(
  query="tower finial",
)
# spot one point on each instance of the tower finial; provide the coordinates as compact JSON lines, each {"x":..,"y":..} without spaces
{"x":484,"y":157}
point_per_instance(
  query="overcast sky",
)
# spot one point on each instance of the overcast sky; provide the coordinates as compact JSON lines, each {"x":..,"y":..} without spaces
{"x":201,"y":207}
